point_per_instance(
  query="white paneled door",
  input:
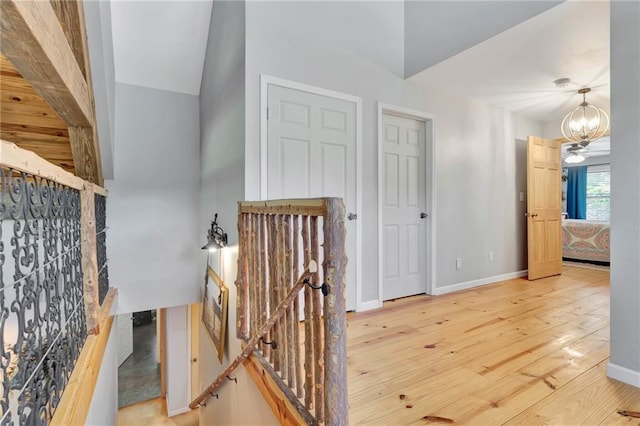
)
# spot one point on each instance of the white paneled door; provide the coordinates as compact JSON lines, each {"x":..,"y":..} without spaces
{"x":125,"y":337}
{"x":311,"y":152}
{"x":403,"y":206}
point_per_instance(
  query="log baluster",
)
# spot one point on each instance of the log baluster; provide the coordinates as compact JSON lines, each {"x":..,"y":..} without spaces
{"x":308,"y":324}
{"x":296,"y":306}
{"x":318,"y":344}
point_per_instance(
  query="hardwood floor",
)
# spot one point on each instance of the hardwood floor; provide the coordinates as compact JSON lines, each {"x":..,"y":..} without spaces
{"x":152,"y":413}
{"x":515,"y":353}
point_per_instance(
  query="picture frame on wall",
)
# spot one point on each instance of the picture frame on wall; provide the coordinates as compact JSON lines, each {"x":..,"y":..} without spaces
{"x":214,"y":310}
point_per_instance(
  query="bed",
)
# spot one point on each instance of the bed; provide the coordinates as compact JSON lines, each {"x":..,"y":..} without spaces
{"x":585,"y":240}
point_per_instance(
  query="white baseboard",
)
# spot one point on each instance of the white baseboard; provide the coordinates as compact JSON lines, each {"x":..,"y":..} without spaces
{"x":178,"y":411}
{"x":369,"y":305}
{"x":477,"y":283}
{"x":623,"y":374}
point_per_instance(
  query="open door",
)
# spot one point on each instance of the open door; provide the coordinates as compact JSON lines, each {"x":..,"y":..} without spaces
{"x":544,"y":207}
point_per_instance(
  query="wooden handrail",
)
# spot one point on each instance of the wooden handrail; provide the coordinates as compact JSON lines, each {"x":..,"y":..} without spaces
{"x":250,"y":346}
{"x":302,"y":206}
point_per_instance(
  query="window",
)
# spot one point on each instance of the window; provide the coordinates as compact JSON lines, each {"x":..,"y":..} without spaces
{"x":598,"y":192}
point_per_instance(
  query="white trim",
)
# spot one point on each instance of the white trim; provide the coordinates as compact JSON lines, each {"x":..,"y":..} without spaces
{"x":369,"y":305}
{"x":265,"y":81}
{"x":623,"y":374}
{"x":178,"y":411}
{"x":479,"y":282}
{"x":430,"y":188}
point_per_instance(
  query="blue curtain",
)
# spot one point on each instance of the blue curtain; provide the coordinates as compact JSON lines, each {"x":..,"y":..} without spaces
{"x":577,"y":192}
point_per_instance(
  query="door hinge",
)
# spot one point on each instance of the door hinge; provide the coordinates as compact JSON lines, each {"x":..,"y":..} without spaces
{"x":267,"y":113}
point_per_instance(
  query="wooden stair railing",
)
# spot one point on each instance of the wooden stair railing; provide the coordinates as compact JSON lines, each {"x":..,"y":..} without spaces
{"x":249,"y":347}
{"x":304,"y":377}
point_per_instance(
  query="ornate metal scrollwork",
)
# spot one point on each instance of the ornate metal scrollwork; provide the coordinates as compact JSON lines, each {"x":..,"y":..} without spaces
{"x":42,"y":318}
{"x":101,"y":246}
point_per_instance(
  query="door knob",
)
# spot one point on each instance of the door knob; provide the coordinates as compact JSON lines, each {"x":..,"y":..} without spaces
{"x":423,"y":215}
{"x":352,"y":216}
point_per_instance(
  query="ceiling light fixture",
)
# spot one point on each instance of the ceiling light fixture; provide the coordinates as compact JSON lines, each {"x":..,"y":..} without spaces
{"x":574,"y":158}
{"x":586,"y":123}
{"x":562,"y":82}
{"x":216,"y":237}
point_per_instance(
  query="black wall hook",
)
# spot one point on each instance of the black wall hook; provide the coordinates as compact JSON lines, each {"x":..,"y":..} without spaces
{"x":214,"y":394}
{"x":272,"y":343}
{"x":235,"y":379}
{"x":323,"y":287}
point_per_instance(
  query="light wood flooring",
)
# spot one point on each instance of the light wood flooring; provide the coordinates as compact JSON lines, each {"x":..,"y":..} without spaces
{"x":152,"y":413}
{"x":516,"y":353}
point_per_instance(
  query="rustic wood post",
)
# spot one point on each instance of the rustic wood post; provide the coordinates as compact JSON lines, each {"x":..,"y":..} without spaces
{"x":318,"y":344}
{"x":89,"y":257}
{"x":283,"y":348}
{"x":296,"y":306}
{"x":335,"y":321}
{"x":253,"y":342}
{"x":262,"y":301}
{"x":253,"y":275}
{"x":287,"y":281}
{"x":273,"y":287}
{"x":308,"y":323}
{"x":241,"y":280}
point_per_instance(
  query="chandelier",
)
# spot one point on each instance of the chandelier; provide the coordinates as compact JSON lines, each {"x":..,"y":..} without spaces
{"x":586,"y":123}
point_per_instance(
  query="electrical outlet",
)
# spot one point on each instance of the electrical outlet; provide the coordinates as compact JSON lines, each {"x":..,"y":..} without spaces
{"x":458,"y":263}
{"x":490,"y":256}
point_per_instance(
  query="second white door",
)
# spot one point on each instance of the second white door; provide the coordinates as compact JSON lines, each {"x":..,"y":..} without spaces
{"x":403,"y":206}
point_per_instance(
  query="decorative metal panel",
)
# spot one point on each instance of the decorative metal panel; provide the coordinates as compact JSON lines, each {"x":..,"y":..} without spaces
{"x":42,"y":318}
{"x":101,"y":246}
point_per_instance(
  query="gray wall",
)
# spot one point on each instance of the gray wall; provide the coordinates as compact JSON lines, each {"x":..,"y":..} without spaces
{"x":99,"y":38}
{"x":476,"y":145}
{"x":222,"y":109}
{"x":222,"y":151}
{"x":152,"y":217}
{"x":625,"y":192}
{"x":430,"y":27}
{"x":152,"y":211}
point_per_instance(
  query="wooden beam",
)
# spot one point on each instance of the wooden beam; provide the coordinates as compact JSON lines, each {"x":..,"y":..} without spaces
{"x":84,"y":141}
{"x":89,"y":258}
{"x":76,"y":399}
{"x":72,"y":23}
{"x":86,"y":154}
{"x":35,"y":43}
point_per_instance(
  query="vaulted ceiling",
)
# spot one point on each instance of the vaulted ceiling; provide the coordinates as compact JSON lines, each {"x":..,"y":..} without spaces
{"x":515,"y":69}
{"x":160,"y":44}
